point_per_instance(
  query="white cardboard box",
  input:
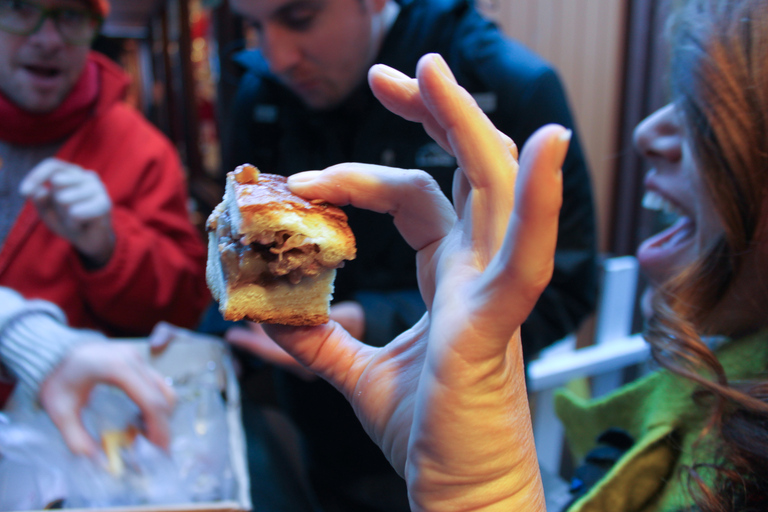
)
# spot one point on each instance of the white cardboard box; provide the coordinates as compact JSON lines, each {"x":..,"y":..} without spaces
{"x":190,"y":353}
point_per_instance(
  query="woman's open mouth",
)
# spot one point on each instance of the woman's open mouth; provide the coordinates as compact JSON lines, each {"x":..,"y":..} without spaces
{"x":664,"y":250}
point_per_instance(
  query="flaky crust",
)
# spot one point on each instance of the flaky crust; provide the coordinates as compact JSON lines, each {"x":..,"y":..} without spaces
{"x":268,"y":206}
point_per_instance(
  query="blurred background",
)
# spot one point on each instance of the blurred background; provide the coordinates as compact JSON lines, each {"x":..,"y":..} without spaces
{"x":608,"y":52}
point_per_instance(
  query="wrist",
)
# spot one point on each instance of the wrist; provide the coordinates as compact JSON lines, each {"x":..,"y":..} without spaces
{"x":519,"y":489}
{"x":97,"y":257}
{"x":33,"y":344}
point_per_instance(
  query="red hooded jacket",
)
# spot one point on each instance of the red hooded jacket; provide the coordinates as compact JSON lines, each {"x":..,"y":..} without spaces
{"x":157,"y":271}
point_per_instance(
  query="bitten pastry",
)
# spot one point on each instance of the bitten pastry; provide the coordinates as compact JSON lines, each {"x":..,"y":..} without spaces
{"x":272,"y":255}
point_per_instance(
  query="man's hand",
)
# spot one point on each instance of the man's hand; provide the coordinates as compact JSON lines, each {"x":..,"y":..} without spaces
{"x":74,"y":204}
{"x":66,"y":391}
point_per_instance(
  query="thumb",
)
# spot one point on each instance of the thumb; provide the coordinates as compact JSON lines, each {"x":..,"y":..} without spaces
{"x":327,"y":350}
{"x":257,"y":342}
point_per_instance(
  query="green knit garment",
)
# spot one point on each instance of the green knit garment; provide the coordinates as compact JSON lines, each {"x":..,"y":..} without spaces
{"x":659,"y":413}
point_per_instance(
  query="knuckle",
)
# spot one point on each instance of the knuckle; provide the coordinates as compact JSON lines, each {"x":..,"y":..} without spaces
{"x":421,"y":182}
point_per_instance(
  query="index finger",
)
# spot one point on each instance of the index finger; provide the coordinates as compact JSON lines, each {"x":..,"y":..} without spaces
{"x":40,"y":174}
{"x":149,"y":391}
{"x":420,"y":210}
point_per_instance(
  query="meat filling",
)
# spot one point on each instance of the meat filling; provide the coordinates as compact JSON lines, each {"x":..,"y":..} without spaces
{"x":266,"y":258}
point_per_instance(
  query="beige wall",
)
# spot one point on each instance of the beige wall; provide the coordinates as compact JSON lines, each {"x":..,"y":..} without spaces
{"x":583,"y":39}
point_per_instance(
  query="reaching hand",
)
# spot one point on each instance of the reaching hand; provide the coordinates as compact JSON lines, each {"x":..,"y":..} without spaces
{"x":66,"y":391}
{"x":74,"y":204}
{"x":446,"y":400}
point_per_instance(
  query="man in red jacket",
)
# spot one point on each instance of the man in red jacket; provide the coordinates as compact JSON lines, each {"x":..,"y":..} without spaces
{"x":93,"y":201}
{"x":93,"y":215}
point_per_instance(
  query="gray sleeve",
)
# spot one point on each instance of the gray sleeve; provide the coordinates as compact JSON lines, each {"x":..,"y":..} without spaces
{"x":34,"y":338}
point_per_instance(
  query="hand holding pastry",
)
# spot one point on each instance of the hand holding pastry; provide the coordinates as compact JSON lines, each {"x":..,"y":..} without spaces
{"x":482,"y":263}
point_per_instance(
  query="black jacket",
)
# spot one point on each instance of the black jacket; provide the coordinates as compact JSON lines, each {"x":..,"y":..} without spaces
{"x":520,"y":92}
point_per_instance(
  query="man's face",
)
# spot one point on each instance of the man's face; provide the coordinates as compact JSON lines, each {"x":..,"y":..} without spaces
{"x":38,"y":71}
{"x":319,"y":49}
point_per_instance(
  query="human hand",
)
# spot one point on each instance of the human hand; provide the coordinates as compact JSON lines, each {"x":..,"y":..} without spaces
{"x":446,"y":400}
{"x":253,"y":339}
{"x":66,"y":391}
{"x":74,"y":204}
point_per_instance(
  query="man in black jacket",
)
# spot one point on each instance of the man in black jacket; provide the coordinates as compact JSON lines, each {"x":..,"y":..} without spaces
{"x":304,"y":103}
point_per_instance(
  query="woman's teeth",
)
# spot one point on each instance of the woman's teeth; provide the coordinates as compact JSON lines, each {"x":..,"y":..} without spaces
{"x":656,"y":202}
{"x":675,"y":226}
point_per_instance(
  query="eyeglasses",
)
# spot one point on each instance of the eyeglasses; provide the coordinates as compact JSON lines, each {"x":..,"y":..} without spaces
{"x":76,"y":26}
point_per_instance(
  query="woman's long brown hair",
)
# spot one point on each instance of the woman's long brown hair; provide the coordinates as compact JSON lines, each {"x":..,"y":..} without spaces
{"x":719,"y":76}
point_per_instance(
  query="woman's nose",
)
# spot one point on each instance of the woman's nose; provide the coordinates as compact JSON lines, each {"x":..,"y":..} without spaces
{"x":659,"y":135}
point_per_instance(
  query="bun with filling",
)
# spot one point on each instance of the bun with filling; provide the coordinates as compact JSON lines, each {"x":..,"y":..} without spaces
{"x":272,"y":255}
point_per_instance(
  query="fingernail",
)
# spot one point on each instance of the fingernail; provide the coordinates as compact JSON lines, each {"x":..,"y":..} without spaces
{"x":443,"y":66}
{"x":564,"y":140}
{"x":390,"y":72}
{"x":303,"y":177}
